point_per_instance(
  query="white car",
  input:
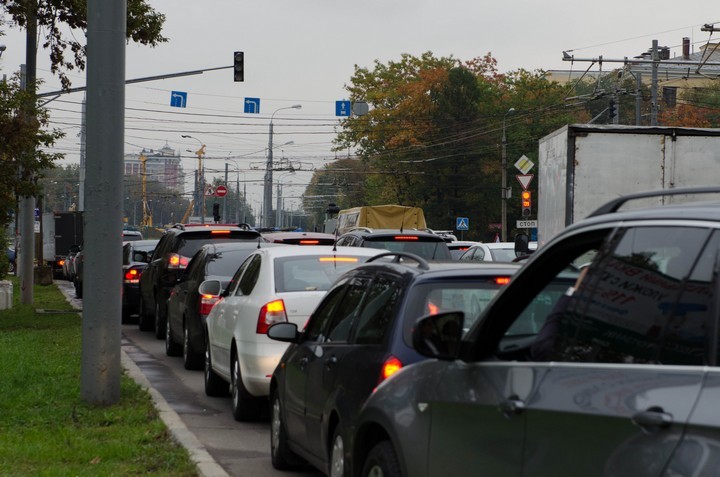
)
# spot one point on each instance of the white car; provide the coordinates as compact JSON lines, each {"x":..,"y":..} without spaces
{"x":272,"y":285}
{"x":490,"y":252}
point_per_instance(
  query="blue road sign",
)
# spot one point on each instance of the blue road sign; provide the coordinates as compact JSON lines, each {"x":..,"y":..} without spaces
{"x":252,"y":105}
{"x":343,"y":108}
{"x":178,"y":99}
{"x":463,"y":223}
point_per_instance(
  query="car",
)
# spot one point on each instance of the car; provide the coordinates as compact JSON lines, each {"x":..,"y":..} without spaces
{"x":427,"y":245}
{"x":136,"y":255}
{"x":300,"y":238}
{"x":131,"y":235}
{"x":187,"y":307}
{"x":489,"y":252}
{"x":458,"y":247}
{"x":68,"y":267}
{"x":172,"y":254}
{"x":359,"y":335}
{"x":279,"y":284}
{"x":626,"y":380}
{"x":12,"y":266}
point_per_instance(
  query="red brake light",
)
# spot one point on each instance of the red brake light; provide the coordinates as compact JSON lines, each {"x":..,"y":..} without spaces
{"x":132,"y":276}
{"x":177,"y":262}
{"x":61,"y":262}
{"x":207,"y":302}
{"x":309,"y":242}
{"x":338,"y":259}
{"x":271,"y":313}
{"x":218,"y":232}
{"x":406,"y":237}
{"x":502,"y":280}
{"x":391,"y":366}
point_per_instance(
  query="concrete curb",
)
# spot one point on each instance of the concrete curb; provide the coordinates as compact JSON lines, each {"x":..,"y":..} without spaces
{"x":206,"y":464}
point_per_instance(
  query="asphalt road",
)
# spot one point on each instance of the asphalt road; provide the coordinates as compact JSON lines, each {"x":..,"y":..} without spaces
{"x":240,"y":448}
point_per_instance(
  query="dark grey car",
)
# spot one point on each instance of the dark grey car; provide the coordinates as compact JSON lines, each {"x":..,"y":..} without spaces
{"x":620,"y":380}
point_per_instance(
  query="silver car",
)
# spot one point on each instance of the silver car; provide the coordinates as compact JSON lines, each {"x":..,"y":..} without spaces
{"x":614,"y":376}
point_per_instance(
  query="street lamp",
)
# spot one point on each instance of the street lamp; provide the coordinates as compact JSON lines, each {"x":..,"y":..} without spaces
{"x":504,"y":190}
{"x":267,"y":191}
{"x":200,"y":183}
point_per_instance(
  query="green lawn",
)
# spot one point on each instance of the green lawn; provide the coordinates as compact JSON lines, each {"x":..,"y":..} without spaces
{"x":46,"y":429}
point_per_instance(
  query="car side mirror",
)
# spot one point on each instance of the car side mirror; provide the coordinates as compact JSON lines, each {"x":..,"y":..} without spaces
{"x":438,"y":336}
{"x":210,"y":287}
{"x":287,"y":332}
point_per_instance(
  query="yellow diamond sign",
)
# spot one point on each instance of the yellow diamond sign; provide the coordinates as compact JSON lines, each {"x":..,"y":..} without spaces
{"x":524,"y":164}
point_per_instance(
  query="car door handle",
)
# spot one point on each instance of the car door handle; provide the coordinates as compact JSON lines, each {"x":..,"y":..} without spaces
{"x":652,"y":420}
{"x":330,"y":362}
{"x":512,"y":406}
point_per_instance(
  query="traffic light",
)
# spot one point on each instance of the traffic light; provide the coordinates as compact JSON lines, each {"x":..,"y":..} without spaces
{"x":216,"y":212}
{"x":239,"y":66}
{"x":611,"y":109}
{"x":526,"y":202}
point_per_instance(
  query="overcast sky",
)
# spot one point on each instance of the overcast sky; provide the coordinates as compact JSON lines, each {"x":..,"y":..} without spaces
{"x":304,"y":52}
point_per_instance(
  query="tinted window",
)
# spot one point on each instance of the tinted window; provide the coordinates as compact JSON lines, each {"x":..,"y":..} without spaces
{"x":377,"y":312}
{"x":250,"y":275}
{"x":189,"y":243}
{"x":311,"y":272}
{"x":339,"y":329}
{"x":635,"y":305}
{"x":320,"y":319}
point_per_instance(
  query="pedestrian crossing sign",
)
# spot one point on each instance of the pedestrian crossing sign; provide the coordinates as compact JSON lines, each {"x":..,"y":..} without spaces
{"x":462,"y":223}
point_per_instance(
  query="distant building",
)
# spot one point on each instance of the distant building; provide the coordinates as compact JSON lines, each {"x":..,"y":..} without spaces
{"x":163,"y":166}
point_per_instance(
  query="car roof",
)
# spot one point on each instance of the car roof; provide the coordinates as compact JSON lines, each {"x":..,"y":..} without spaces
{"x":430,"y":268}
{"x":293,"y":250}
{"x":297,"y":235}
{"x":141,"y":243}
{"x":381,"y":232}
{"x":460,"y":243}
{"x":238,"y":245}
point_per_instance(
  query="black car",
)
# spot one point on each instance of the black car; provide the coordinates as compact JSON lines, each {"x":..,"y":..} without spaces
{"x":359,"y":335}
{"x":135,"y":255}
{"x":187,"y":308}
{"x":171,"y":257}
{"x":427,"y":245}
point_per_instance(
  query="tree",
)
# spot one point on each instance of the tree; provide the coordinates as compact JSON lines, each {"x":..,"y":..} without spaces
{"x":60,"y":19}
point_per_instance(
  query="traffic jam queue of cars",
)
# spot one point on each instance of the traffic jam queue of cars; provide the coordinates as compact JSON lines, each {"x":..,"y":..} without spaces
{"x":595,"y":355}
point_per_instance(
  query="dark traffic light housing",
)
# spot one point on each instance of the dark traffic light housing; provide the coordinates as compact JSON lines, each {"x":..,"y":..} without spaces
{"x":611,"y":109}
{"x":526,"y":203}
{"x":239,"y":66}
{"x":216,"y":212}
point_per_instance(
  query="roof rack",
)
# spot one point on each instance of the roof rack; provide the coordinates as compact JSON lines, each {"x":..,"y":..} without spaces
{"x":422,"y":264}
{"x":615,"y":204}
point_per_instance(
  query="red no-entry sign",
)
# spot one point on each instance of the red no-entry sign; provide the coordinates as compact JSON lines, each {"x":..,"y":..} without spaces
{"x":221,"y":191}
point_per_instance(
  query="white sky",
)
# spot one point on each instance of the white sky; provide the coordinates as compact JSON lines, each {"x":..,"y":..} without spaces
{"x":304,"y":52}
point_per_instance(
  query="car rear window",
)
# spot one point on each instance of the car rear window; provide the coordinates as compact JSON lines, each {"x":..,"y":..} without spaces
{"x":226,"y":263}
{"x":312,"y":272}
{"x":188,"y":244}
{"x":428,"y":248}
{"x":469,"y":296}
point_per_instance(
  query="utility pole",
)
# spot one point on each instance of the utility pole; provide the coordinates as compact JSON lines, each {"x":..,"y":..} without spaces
{"x":654,"y":85}
{"x":224,"y":214}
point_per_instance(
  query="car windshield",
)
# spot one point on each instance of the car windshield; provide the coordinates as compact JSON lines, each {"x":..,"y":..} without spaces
{"x":469,"y":296}
{"x":311,"y":272}
{"x":429,"y":250}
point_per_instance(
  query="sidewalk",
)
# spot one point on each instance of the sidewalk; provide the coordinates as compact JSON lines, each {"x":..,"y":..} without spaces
{"x":206,"y":464}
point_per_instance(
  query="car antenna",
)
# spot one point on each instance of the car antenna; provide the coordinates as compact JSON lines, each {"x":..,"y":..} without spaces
{"x":402,"y":222}
{"x":259,"y":239}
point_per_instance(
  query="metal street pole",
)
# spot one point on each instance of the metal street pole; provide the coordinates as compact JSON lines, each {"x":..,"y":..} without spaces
{"x":200,"y":182}
{"x":503,"y":229}
{"x":224,"y":214}
{"x":267,"y":190}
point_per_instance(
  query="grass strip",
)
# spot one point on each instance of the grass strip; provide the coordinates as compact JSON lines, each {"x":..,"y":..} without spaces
{"x":46,"y":429}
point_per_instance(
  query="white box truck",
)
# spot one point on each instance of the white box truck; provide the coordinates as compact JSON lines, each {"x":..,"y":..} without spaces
{"x":580,"y":167}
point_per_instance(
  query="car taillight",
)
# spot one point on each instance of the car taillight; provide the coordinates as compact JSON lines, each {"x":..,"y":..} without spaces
{"x":132,"y":276}
{"x":271,"y":313}
{"x":177,"y":262}
{"x":219,"y":232}
{"x":502,"y":280}
{"x":61,"y":262}
{"x":405,"y":237}
{"x":338,"y":259}
{"x":309,"y":242}
{"x":391,"y":366}
{"x":207,"y":302}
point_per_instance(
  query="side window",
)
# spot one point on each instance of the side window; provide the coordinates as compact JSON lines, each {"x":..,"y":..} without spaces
{"x":636,"y":304}
{"x":318,"y":323}
{"x":342,"y":241}
{"x":250,"y":276}
{"x":378,"y":310}
{"x":231,"y":288}
{"x":339,"y":329}
{"x":479,"y":255}
{"x":161,"y":247}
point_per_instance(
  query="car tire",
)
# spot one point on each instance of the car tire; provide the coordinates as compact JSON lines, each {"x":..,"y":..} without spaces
{"x":281,"y":456}
{"x":172,"y":347}
{"x":381,"y":461}
{"x":160,"y":322}
{"x":338,"y":467}
{"x":245,"y":406}
{"x":215,"y":386}
{"x":191,"y":358}
{"x":144,"y":323}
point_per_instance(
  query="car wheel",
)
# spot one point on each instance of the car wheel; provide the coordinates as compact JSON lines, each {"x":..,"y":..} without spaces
{"x":159,"y":321}
{"x":382,"y":461}
{"x":172,"y":348}
{"x":214,"y":384}
{"x":191,"y":358}
{"x":281,"y":456}
{"x":245,"y":406}
{"x":144,"y":323}
{"x":337,"y":455}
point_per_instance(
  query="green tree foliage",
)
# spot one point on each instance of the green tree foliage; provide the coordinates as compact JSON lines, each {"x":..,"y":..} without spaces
{"x":23,"y":128}
{"x":433,"y":135}
{"x":61,"y":20}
